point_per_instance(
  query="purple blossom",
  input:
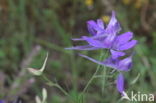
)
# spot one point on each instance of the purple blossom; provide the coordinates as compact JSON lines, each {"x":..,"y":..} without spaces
{"x":84,"y":47}
{"x":114,"y":61}
{"x":124,"y":42}
{"x":116,"y":54}
{"x":108,"y":38}
{"x":96,"y":28}
{"x":101,"y":37}
{"x":121,"y":42}
{"x":2,"y":101}
{"x":120,"y":84}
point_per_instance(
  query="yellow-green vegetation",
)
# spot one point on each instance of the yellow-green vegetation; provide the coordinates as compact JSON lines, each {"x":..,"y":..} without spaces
{"x":31,"y":28}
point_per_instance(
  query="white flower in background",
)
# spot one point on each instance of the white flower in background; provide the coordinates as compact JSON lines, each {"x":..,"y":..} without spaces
{"x":38,"y":72}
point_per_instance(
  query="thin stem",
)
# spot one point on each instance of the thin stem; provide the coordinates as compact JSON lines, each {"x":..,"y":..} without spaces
{"x":49,"y":81}
{"x":55,"y":85}
{"x":91,"y":79}
{"x":104,"y":76}
{"x":104,"y":79}
{"x":59,"y":87}
{"x":74,"y":71}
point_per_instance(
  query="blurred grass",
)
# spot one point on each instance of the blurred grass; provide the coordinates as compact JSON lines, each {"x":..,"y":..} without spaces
{"x":24,"y":24}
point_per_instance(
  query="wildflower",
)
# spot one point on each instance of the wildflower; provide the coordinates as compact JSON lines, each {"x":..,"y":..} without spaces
{"x":124,"y":42}
{"x":97,"y":28}
{"x":108,"y":38}
{"x":38,"y":72}
{"x":101,"y":37}
{"x":114,"y":61}
{"x":121,"y":42}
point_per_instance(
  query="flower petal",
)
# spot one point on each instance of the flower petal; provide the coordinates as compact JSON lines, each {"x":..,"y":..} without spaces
{"x":120,"y":83}
{"x":94,"y":43}
{"x":108,"y":62}
{"x":99,"y":36}
{"x":77,"y":39}
{"x":84,"y":47}
{"x":91,"y":59}
{"x":114,"y":29}
{"x":100,"y":23}
{"x":116,"y":54}
{"x":125,"y":64}
{"x":114,"y":25}
{"x":108,"y":41}
{"x":95,"y":28}
{"x":123,"y":38}
{"x":92,"y":27}
{"x":113,"y":20}
{"x":128,"y":45}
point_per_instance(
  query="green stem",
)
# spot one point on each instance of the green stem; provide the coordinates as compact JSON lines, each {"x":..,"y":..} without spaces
{"x":74,"y":71}
{"x":55,"y":85}
{"x":59,"y":87}
{"x":104,"y":76}
{"x":95,"y":73}
{"x":104,"y":79}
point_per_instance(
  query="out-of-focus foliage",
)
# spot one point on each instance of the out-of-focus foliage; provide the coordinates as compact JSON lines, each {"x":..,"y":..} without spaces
{"x":30,"y":28}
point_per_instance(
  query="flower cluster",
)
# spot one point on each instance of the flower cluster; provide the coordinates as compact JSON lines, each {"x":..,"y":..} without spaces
{"x":109,"y":38}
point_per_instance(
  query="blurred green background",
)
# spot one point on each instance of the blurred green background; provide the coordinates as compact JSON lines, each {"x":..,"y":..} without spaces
{"x":30,"y":28}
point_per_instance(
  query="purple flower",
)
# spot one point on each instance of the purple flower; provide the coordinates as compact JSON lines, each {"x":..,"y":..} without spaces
{"x":84,"y":47}
{"x":2,"y":101}
{"x":95,"y":28}
{"x":114,"y":61}
{"x":116,"y":54}
{"x":121,"y":42}
{"x":124,"y":42}
{"x":120,"y":84}
{"x":101,"y":37}
{"x":106,"y":38}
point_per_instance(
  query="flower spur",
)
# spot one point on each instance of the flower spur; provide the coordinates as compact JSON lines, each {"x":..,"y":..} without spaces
{"x":114,"y":61}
